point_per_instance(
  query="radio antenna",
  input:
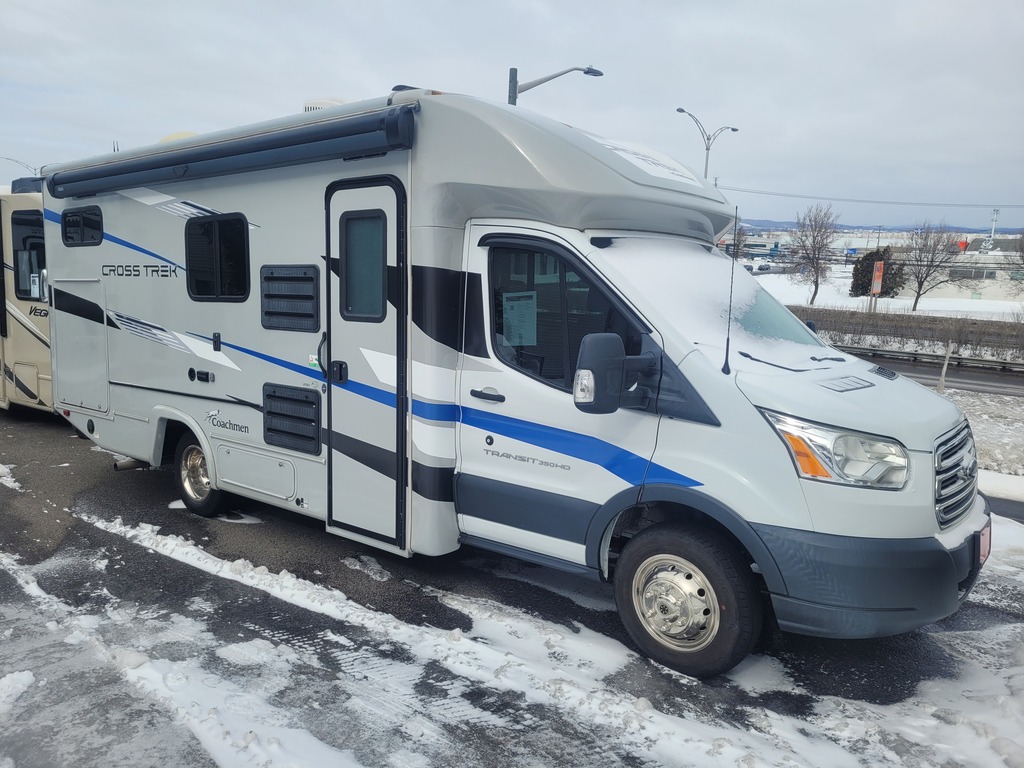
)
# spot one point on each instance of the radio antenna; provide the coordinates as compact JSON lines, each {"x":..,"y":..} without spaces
{"x":732,"y":280}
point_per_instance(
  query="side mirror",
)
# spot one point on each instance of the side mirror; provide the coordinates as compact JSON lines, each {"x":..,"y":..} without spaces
{"x":813,"y":326}
{"x":597,"y":386}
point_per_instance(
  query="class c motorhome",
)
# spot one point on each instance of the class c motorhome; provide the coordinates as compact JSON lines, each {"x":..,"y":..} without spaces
{"x":430,"y":320}
{"x":24,"y":323}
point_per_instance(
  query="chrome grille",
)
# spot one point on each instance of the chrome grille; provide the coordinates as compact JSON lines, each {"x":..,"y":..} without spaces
{"x":956,"y":475}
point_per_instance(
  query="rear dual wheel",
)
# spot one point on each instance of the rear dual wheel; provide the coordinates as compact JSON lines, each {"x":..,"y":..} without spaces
{"x":688,"y":599}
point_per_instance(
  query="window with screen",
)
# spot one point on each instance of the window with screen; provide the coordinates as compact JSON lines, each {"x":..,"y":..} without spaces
{"x":542,"y":308}
{"x":217,"y":257}
{"x":29,"y":254}
{"x":363,"y":266}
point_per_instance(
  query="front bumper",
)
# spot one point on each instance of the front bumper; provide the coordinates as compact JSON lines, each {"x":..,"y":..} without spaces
{"x":852,"y":587}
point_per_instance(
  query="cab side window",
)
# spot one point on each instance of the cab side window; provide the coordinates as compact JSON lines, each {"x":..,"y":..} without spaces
{"x":542,"y":307}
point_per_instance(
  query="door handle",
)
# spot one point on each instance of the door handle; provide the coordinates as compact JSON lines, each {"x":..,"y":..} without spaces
{"x":488,"y":394}
{"x":320,"y":354}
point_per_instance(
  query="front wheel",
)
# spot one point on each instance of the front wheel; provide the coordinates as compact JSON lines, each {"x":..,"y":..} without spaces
{"x":688,"y":599}
{"x":193,"y":478}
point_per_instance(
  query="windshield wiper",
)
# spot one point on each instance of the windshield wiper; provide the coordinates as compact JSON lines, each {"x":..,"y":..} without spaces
{"x":783,"y":367}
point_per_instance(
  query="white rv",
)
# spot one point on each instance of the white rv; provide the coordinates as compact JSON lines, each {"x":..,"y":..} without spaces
{"x":430,"y":320}
{"x":24,"y":323}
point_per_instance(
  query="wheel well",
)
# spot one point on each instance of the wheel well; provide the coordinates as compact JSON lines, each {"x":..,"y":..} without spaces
{"x":172,"y":432}
{"x":642,"y":516}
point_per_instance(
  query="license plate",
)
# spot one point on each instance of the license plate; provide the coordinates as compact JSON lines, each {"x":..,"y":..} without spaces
{"x":985,"y":543}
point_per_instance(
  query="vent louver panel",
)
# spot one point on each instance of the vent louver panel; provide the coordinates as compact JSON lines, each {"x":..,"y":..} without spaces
{"x":290,"y":298}
{"x":291,"y":418}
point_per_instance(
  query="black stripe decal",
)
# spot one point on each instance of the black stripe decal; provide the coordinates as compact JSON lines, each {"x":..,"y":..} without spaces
{"x":83,"y":308}
{"x":438,"y":298}
{"x":34,"y":331}
{"x":229,"y":400}
{"x":550,"y":514}
{"x":20,"y":385}
{"x":434,"y":483}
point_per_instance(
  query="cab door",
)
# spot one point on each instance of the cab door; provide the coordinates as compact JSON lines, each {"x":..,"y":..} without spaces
{"x":533,"y":469}
{"x":366,"y":360}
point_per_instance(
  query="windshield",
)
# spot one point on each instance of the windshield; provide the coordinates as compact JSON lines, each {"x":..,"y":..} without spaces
{"x":684,"y":287}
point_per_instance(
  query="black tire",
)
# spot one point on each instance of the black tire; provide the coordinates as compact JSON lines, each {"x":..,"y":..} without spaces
{"x":193,"y":479}
{"x":688,"y":599}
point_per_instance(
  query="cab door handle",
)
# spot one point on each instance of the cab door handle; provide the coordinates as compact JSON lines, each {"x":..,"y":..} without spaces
{"x":488,"y":394}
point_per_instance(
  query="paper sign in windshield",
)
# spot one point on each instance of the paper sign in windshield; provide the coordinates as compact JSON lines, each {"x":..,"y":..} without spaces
{"x":519,"y":316}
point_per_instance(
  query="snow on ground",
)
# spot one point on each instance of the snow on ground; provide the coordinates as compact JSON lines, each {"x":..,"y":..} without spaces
{"x":12,"y":686}
{"x":7,"y":479}
{"x":974,"y":719}
{"x":834,"y":293}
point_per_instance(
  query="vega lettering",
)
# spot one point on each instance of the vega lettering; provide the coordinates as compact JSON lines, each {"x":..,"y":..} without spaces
{"x":139,"y":270}
{"x":525,"y":459}
{"x":39,"y":312}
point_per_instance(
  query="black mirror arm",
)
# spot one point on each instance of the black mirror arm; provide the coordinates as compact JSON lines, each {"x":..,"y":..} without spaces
{"x":643,"y":366}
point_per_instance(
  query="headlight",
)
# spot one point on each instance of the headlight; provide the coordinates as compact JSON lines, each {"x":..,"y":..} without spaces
{"x":839,"y":456}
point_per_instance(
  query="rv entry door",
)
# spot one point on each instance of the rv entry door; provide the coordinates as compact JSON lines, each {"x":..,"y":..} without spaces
{"x":366,"y":360}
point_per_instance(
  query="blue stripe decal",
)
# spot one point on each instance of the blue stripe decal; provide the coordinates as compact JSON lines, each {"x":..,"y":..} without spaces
{"x":624,"y":464}
{"x":295,"y":367}
{"x":53,"y":216}
{"x":140,"y":249}
{"x":630,"y":467}
{"x":436,"y":411}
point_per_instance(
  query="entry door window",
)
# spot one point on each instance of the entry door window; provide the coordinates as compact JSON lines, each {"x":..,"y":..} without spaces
{"x":542,"y":308}
{"x":29,"y":254}
{"x":364,"y":266}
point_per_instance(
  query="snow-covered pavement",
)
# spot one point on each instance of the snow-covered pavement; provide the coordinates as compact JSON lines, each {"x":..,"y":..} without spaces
{"x":134,"y":646}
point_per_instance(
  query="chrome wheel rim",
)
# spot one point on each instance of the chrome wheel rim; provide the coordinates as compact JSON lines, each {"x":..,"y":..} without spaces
{"x":194,"y":478}
{"x":675,"y":603}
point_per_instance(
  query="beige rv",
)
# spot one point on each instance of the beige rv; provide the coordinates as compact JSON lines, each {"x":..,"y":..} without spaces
{"x":24,"y":323}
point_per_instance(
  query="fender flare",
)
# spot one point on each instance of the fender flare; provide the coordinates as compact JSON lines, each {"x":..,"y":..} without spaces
{"x":163,"y":414}
{"x":740,"y":529}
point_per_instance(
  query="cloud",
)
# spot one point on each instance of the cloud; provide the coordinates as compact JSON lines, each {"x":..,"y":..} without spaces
{"x":913,"y":101}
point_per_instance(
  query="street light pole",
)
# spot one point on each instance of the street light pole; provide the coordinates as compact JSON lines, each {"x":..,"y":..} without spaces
{"x":515,"y":87}
{"x":26,"y":166}
{"x":709,"y":139}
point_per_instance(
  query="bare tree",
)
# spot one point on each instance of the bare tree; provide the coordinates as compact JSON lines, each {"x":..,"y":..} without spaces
{"x":1015,"y":264}
{"x":816,"y":230}
{"x":739,"y":242}
{"x":931,"y":258}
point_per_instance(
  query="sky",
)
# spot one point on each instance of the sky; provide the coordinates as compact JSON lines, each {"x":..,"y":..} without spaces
{"x":836,"y":103}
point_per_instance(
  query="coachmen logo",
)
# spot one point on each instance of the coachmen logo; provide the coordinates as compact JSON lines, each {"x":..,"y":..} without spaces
{"x":214,"y":419}
{"x":968,"y":469}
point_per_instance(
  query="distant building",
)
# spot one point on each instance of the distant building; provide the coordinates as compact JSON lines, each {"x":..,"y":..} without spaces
{"x":987,"y":263}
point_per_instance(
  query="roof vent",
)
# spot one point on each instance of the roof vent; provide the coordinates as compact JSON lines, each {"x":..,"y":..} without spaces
{"x":885,"y":373}
{"x":312,"y":105}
